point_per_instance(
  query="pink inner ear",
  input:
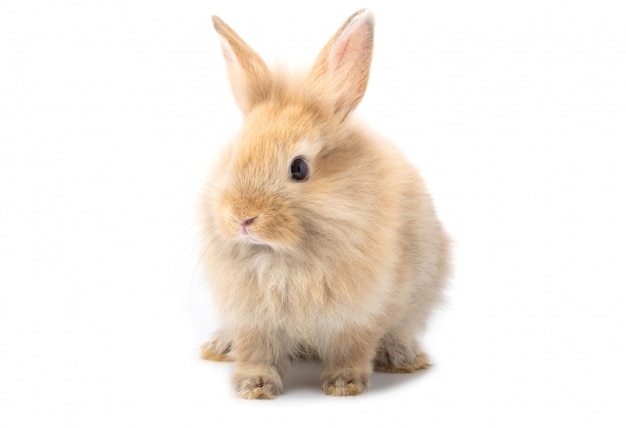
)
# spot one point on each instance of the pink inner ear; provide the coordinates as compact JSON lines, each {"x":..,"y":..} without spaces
{"x":339,"y":56}
{"x":349,"y":66}
{"x":228,"y":54}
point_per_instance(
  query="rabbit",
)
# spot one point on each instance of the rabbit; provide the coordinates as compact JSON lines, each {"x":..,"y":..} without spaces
{"x":321,"y":239}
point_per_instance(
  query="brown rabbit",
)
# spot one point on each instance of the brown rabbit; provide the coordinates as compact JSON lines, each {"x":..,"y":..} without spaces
{"x":322,"y":241}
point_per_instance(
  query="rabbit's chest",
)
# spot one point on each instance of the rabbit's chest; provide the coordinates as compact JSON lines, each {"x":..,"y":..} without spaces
{"x":286,"y":291}
{"x":291,"y":294}
{"x":307,"y":300}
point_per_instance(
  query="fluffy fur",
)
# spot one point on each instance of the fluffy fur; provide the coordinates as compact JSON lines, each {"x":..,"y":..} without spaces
{"x":345,"y":266}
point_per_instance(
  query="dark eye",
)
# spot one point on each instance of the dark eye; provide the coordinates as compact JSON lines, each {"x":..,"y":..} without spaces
{"x":299,"y":169}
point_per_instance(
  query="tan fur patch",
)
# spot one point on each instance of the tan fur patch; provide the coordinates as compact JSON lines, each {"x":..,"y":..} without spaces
{"x":344,"y":390}
{"x":257,"y":393}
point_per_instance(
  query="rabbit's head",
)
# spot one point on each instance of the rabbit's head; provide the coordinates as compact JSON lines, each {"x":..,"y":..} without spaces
{"x":296,"y":173}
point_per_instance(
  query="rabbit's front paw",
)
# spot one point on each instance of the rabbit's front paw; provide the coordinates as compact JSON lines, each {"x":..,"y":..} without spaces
{"x":345,"y":382}
{"x":262,"y":383}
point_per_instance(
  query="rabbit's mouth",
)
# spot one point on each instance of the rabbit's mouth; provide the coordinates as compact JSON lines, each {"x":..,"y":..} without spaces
{"x":245,"y":233}
{"x":253,"y":239}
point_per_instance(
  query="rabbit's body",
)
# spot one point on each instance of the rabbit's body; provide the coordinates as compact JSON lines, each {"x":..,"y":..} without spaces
{"x":344,"y":264}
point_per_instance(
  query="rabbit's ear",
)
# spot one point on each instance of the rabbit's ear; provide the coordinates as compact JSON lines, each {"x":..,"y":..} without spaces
{"x":342,"y":68}
{"x":250,"y":79}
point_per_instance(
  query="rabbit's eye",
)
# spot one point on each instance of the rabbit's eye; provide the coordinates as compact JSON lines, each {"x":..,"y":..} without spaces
{"x":299,"y":169}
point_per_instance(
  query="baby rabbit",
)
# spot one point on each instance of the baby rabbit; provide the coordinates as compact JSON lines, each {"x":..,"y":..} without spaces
{"x":322,"y":241}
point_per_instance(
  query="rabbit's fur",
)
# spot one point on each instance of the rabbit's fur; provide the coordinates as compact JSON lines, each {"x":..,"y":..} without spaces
{"x":344,"y":266}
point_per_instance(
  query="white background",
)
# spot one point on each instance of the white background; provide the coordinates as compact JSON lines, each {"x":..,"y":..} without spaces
{"x":110,"y":112}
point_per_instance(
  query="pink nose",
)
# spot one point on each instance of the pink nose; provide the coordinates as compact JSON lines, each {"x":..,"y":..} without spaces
{"x":247,"y":222}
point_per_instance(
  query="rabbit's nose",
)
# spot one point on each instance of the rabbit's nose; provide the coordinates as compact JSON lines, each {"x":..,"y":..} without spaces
{"x":247,"y":222}
{"x":244,"y":225}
